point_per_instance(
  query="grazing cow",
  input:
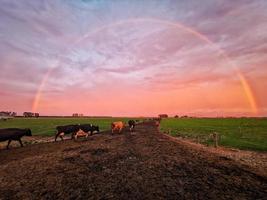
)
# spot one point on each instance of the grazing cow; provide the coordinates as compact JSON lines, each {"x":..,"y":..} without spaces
{"x":116,"y":126}
{"x":14,"y":134}
{"x":131,"y":124}
{"x":67,"y":129}
{"x":89,"y":127}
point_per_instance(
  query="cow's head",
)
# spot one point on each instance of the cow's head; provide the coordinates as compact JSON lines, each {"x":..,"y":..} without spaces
{"x":28,"y":132}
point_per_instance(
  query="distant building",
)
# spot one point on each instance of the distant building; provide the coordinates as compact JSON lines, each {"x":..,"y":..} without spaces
{"x":163,"y":116}
{"x":5,"y":114}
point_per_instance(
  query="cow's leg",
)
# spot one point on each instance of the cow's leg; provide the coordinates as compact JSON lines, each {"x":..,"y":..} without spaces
{"x":61,"y":137}
{"x":20,"y":142}
{"x":57,"y":134}
{"x":73,"y":135}
{"x":9,"y":141}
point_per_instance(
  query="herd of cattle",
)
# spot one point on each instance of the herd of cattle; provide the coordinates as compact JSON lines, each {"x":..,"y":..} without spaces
{"x":9,"y":134}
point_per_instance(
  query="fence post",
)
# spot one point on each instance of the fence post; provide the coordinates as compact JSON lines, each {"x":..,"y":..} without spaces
{"x":215,"y":139}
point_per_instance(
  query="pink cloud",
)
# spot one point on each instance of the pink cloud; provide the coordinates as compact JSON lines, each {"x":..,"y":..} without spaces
{"x":150,"y":66}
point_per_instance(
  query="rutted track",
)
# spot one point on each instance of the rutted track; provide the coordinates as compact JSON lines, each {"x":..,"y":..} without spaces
{"x":141,"y":165}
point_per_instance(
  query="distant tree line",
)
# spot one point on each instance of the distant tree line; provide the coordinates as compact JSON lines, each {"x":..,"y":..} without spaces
{"x":175,"y":116}
{"x":163,"y":116}
{"x":30,"y":114}
{"x":77,"y":115}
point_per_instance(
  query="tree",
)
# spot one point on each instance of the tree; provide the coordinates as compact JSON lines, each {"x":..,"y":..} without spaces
{"x":28,"y":114}
{"x":163,"y":116}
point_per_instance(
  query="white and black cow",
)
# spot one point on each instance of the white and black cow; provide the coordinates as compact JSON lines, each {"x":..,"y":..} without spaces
{"x":89,"y":128}
{"x":131,"y":124}
{"x":67,"y":129}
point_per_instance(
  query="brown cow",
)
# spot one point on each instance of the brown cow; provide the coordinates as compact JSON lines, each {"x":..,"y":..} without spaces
{"x":117,"y":126}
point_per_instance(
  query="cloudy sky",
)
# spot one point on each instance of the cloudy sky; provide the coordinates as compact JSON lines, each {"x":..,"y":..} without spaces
{"x":134,"y":58}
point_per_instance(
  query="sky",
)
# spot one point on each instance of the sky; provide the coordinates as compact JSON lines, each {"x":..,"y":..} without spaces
{"x":134,"y":58}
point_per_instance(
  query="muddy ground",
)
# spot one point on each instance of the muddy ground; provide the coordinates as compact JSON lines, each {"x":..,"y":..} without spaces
{"x":140,"y":165}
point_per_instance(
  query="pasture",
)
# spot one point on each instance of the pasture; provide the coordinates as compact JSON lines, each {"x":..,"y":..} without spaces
{"x":46,"y":126}
{"x":241,"y":133}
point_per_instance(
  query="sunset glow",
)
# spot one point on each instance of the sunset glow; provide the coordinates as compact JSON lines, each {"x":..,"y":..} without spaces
{"x":133,"y":58}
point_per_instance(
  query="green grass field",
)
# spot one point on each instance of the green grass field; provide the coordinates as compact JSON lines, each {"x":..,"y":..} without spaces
{"x":47,"y":126}
{"x":241,"y":133}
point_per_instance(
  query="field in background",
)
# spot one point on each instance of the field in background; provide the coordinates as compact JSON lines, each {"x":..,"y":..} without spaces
{"x":47,"y":126}
{"x":241,"y":133}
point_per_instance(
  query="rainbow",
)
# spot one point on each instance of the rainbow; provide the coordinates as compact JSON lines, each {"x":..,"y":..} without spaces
{"x":243,"y":81}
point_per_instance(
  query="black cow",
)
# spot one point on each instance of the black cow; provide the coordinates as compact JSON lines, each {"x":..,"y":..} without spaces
{"x":131,"y":124}
{"x":67,"y":129}
{"x":14,"y":134}
{"x":89,"y":128}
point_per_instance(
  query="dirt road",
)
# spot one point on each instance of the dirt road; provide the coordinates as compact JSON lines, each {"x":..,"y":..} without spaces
{"x":140,"y":165}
